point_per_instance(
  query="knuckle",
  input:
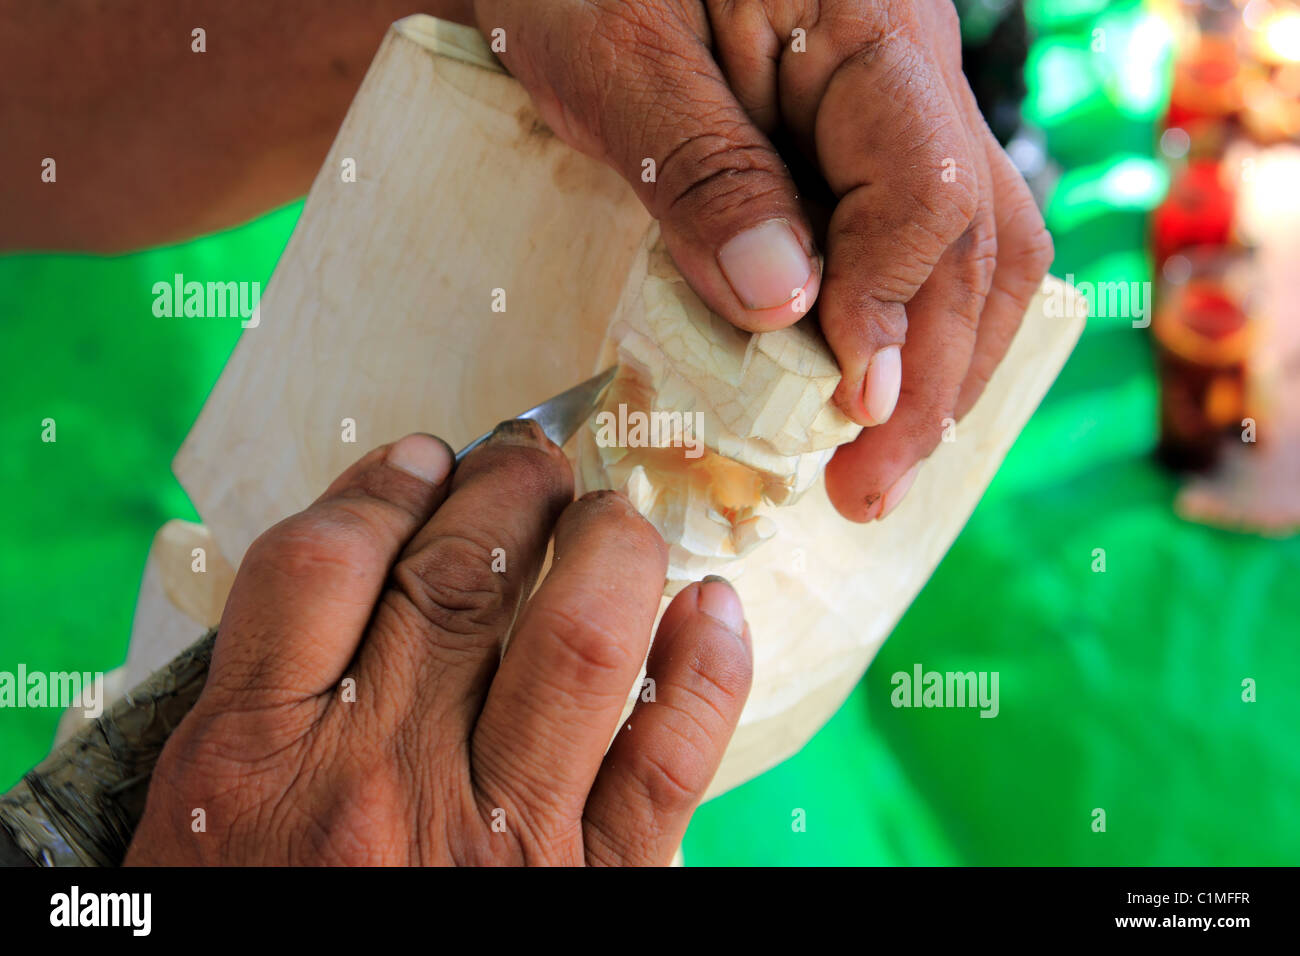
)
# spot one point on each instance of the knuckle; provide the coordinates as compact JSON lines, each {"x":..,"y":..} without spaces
{"x":714,"y":174}
{"x":751,"y":24}
{"x":242,"y":754}
{"x":979,"y":247}
{"x":585,"y":651}
{"x":673,"y":783}
{"x":305,"y":545}
{"x":855,"y":326}
{"x":903,"y":237}
{"x":450,"y":581}
{"x":1038,"y":251}
{"x":242,"y":733}
{"x":365,"y":816}
{"x":721,"y":673}
{"x":944,"y":210}
{"x":1024,"y":235}
{"x":891,"y":326}
{"x":195,"y":755}
{"x":895,"y":269}
{"x":978,"y":252}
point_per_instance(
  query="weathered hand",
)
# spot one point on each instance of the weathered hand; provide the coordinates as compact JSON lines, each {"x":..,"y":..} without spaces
{"x":933,"y":245}
{"x":359,"y":710}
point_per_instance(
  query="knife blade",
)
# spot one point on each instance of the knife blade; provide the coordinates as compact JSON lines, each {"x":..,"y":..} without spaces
{"x":561,"y":416}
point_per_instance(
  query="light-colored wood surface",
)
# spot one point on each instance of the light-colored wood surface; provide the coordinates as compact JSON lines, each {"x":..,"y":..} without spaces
{"x":380,"y":312}
{"x":380,"y":309}
{"x":177,"y":604}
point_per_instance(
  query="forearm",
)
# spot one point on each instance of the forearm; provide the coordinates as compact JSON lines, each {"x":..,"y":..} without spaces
{"x":152,"y":141}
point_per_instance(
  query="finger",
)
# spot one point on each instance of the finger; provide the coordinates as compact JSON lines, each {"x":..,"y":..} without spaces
{"x":456,"y":590}
{"x":663,"y":759}
{"x":1024,"y":255}
{"x":874,"y":475}
{"x":307,"y":587}
{"x":748,"y":50}
{"x":867,"y":478}
{"x":648,"y":98}
{"x":562,"y":684}
{"x":909,"y":190}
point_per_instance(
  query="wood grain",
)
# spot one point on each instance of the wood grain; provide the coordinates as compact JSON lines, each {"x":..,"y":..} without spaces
{"x":380,"y":311}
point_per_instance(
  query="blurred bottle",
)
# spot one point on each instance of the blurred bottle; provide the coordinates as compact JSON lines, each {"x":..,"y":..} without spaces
{"x":1203,"y":333}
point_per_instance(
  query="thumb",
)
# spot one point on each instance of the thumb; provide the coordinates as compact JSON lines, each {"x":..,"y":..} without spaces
{"x":728,"y":209}
{"x":647,"y":97}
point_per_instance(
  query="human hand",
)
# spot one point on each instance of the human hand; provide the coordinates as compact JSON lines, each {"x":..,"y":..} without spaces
{"x":358,"y":709}
{"x":933,"y":245}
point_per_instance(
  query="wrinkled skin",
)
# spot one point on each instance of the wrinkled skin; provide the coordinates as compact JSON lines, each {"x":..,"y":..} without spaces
{"x":904,"y":223}
{"x":445,"y":752}
{"x":929,"y":238}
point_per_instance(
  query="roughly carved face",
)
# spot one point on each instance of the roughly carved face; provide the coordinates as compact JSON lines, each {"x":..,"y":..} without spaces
{"x":707,"y":427}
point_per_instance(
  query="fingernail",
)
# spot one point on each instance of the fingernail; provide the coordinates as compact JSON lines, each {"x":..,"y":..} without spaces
{"x":898,"y":490}
{"x":518,"y":431}
{"x":765,"y":265}
{"x":422,"y":456}
{"x":718,"y":599}
{"x":884,"y":379}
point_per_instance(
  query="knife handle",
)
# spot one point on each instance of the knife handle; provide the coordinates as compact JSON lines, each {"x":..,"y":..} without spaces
{"x":81,"y":804}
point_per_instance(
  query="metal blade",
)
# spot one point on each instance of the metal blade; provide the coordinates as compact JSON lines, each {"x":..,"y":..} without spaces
{"x":561,"y":416}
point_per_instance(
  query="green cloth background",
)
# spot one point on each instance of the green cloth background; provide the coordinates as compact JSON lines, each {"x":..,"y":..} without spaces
{"x":1119,"y":690}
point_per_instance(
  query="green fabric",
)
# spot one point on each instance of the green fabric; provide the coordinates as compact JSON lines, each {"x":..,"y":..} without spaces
{"x":1119,"y":690}
{"x":83,"y":347}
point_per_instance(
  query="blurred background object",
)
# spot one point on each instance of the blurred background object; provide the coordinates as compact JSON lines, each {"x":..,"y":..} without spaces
{"x":1227,"y":324}
{"x":1123,"y":634}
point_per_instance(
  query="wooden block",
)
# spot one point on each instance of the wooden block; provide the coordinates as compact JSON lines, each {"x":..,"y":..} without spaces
{"x":381,"y":312}
{"x":380,"y":309}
